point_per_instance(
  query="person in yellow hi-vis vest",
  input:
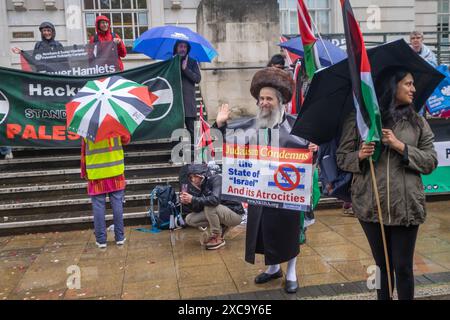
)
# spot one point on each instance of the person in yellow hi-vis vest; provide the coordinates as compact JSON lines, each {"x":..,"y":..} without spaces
{"x":102,"y":165}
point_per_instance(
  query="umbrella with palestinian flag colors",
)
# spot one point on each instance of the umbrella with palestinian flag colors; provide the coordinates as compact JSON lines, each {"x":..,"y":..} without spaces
{"x":109,"y":107}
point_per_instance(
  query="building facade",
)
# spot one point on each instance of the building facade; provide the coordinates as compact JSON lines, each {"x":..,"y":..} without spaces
{"x":74,"y":19}
{"x":243,"y":40}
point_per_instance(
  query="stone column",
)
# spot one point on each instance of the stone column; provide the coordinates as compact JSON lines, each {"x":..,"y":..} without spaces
{"x":155,"y":13}
{"x":74,"y":22}
{"x":5,"y":60}
{"x":245,"y":34}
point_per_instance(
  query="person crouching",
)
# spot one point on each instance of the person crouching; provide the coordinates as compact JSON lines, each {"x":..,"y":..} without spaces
{"x":208,"y":209}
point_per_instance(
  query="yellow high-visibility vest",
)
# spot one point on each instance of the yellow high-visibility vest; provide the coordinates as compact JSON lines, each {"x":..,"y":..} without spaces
{"x":104,"y":159}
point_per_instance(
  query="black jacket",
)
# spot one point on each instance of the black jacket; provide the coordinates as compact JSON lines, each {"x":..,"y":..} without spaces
{"x":189,"y":77}
{"x":209,"y":196}
{"x":286,"y":139}
{"x":48,"y":45}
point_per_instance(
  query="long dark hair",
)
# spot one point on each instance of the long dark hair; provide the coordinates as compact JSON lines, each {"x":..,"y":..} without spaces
{"x":386,"y":88}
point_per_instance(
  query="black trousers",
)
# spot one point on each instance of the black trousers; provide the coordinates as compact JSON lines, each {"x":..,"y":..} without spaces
{"x":190,"y":123}
{"x":401,"y":242}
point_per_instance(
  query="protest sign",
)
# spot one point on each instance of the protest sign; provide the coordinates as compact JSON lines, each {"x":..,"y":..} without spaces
{"x":76,"y":60}
{"x":267,"y":176}
{"x":33,"y":112}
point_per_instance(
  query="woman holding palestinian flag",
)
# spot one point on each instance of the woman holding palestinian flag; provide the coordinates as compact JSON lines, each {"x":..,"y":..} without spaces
{"x":387,"y":146}
{"x":384,"y":143}
{"x":406,"y":153}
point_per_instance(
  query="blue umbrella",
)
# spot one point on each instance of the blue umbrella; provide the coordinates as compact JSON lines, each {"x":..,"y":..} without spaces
{"x":328,"y":54}
{"x":158,"y":43}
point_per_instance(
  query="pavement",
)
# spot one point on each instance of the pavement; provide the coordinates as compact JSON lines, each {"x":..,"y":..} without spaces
{"x":172,"y":265}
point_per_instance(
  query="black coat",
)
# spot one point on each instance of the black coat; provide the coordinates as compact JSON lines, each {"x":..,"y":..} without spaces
{"x":189,"y":77}
{"x":270,"y":231}
{"x":48,"y":45}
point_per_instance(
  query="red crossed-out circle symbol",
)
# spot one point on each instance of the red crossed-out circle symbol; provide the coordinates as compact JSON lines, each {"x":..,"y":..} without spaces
{"x":292,"y":184}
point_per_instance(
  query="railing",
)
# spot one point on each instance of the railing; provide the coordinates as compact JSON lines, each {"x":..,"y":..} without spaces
{"x":437,"y":41}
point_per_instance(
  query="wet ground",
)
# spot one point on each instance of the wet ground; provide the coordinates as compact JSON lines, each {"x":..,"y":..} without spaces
{"x":173,"y":265}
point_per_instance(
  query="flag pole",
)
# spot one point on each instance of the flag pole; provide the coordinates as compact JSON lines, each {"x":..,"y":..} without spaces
{"x":320,"y":37}
{"x":380,"y":218}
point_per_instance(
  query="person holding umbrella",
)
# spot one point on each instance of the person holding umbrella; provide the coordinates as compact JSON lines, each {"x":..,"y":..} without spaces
{"x":102,"y":165}
{"x":165,"y":42}
{"x":190,"y":75}
{"x":106,"y":112}
{"x":407,"y":152}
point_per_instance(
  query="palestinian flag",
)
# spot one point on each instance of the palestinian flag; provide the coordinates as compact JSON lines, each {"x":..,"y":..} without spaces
{"x":364,"y":96}
{"x":291,"y":57}
{"x":311,"y":56}
{"x":25,"y":61}
{"x":4,"y":107}
{"x":205,"y":141}
{"x":161,"y":89}
{"x":297,"y":97}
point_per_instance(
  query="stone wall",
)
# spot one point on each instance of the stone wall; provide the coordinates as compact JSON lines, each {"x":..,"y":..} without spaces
{"x":395,"y":16}
{"x":245,"y":34}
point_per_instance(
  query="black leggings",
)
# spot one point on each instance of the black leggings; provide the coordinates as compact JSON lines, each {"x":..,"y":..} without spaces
{"x":401,"y":242}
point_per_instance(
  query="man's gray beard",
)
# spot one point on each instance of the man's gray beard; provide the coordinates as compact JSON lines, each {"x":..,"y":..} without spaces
{"x":270,"y":120}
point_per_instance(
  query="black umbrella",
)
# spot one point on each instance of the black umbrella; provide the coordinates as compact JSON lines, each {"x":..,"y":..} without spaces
{"x":329,"y":99}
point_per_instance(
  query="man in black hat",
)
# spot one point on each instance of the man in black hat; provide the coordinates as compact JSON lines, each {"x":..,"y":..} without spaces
{"x":208,"y":209}
{"x":273,"y":232}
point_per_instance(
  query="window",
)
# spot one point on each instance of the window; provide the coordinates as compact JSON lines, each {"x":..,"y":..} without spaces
{"x":129,"y":18}
{"x":443,"y":19}
{"x":319,"y":10}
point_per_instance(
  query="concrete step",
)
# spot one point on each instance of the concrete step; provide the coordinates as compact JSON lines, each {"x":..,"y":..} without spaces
{"x":72,"y":214}
{"x":27,"y":163}
{"x":58,"y":190}
{"x":19,"y":178}
{"x":132,"y":211}
{"x":148,"y":145}
{"x":67,"y":203}
{"x":63,"y":221}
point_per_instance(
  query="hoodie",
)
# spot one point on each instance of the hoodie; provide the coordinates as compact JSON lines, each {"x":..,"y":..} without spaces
{"x":48,"y":45}
{"x":107,"y":36}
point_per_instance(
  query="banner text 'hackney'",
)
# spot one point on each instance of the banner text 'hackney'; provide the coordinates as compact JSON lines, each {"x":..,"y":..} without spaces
{"x":33,"y":114}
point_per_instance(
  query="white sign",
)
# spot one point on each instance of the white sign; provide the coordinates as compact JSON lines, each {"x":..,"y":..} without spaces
{"x":268,"y":176}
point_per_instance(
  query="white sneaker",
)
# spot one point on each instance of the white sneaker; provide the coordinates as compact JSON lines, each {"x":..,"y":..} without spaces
{"x":100,"y":245}
{"x":122,"y":242}
{"x":9,"y":156}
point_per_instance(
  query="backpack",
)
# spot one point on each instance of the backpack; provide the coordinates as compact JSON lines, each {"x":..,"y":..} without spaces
{"x":335,"y":182}
{"x":168,"y":216}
